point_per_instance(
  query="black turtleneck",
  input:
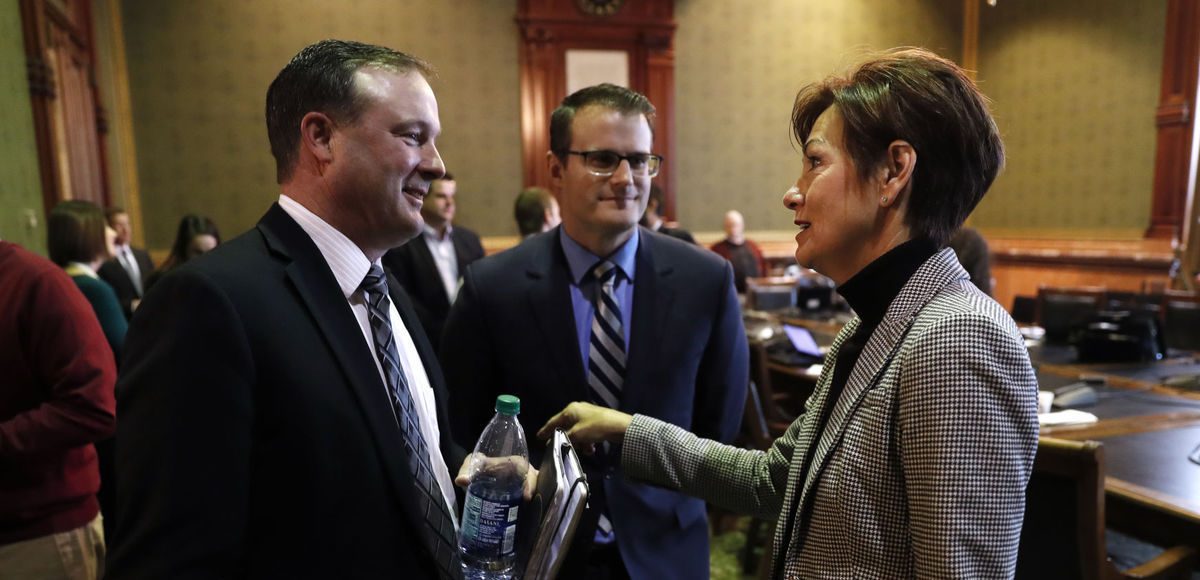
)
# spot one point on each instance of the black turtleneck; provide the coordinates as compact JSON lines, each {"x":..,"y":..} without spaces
{"x":869,"y":292}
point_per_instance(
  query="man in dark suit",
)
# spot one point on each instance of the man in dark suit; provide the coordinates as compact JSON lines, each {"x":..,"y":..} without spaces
{"x":653,"y":221}
{"x":430,"y":266}
{"x":127,"y":270}
{"x":601,"y":310}
{"x":282,"y":415}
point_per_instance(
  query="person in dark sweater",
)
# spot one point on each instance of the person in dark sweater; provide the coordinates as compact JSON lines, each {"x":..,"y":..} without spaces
{"x":80,"y":240}
{"x":881,"y":476}
{"x":56,"y":400}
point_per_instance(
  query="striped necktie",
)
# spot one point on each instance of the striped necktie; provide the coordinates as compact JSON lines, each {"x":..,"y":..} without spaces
{"x":606,"y":351}
{"x":438,"y":533}
{"x":606,"y":357}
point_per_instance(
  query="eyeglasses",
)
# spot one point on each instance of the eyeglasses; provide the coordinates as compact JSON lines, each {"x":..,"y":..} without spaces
{"x":605,"y":163}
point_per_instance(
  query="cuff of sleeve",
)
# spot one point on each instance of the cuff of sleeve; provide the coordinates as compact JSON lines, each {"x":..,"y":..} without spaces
{"x":636,"y":446}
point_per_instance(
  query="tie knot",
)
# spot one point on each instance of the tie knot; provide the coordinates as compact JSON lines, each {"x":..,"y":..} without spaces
{"x":374,"y":282}
{"x":604,"y":271}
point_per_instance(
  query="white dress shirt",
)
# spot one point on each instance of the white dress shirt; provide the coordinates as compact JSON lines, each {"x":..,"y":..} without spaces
{"x":442,"y":248}
{"x":350,"y":265}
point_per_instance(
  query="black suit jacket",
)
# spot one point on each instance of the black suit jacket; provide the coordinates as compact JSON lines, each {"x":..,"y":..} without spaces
{"x":512,"y":331}
{"x":678,"y":233}
{"x":256,"y":439}
{"x":114,"y":273}
{"x":413,"y":266}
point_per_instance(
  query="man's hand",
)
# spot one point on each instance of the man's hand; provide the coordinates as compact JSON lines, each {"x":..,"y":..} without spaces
{"x":587,"y":424}
{"x":463,"y":479}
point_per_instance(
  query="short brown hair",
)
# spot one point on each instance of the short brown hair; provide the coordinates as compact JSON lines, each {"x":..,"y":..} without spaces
{"x":606,"y":95}
{"x":112,"y":212}
{"x":321,"y":78}
{"x":75,"y":232}
{"x":914,"y":95}
{"x":530,"y":209}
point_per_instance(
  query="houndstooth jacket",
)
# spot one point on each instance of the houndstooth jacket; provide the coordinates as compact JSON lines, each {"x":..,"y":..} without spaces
{"x":921,"y":469}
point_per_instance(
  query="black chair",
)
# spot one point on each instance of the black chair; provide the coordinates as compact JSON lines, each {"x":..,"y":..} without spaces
{"x":1181,"y":320}
{"x":1062,"y":311}
{"x":1024,"y":309}
{"x":1063,"y":536}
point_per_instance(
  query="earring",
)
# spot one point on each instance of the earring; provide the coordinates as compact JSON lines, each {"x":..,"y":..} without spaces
{"x":883,"y":199}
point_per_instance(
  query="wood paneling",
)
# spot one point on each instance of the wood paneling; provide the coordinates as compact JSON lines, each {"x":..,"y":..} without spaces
{"x":1020,"y":266}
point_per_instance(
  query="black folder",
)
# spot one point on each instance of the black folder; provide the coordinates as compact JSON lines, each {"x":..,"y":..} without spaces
{"x":548,"y":522}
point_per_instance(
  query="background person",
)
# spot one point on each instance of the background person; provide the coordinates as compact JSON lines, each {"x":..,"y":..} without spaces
{"x":536,"y":211}
{"x":129,"y":267}
{"x":744,"y":254}
{"x":652,"y":221}
{"x":56,"y":401}
{"x":912,"y":456}
{"x":431,"y":266}
{"x":196,"y":235}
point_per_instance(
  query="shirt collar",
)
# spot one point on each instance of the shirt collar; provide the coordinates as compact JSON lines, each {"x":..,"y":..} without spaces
{"x":581,"y":261}
{"x":432,"y":233}
{"x":79,"y":269}
{"x":347,"y":261}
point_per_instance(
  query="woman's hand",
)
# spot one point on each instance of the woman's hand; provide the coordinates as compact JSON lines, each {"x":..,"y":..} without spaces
{"x":587,"y":424}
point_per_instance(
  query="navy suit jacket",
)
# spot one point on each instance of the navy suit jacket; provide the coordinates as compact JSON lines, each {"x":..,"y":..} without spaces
{"x":413,"y":266}
{"x":256,"y":439}
{"x":512,"y":331}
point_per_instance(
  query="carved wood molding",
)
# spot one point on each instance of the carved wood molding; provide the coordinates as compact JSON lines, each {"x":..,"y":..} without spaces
{"x":644,"y":29}
{"x":1174,"y":156}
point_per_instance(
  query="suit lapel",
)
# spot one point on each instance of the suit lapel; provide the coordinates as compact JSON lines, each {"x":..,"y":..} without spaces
{"x":318,"y":290}
{"x":549,"y":295}
{"x":653,"y":296}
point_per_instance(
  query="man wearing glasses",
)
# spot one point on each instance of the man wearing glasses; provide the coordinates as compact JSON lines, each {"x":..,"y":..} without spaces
{"x":600,"y":310}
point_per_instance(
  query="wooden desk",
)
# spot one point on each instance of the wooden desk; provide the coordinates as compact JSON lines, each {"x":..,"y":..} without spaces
{"x":1148,"y":431}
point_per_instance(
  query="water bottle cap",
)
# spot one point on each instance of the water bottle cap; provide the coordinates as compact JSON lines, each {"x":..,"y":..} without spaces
{"x":508,"y":404}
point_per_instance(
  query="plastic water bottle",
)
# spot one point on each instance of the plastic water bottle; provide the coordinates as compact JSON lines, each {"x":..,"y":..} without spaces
{"x":489,"y":522}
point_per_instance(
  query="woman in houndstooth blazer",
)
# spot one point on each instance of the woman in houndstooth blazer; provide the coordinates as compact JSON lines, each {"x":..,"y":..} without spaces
{"x":912,"y":455}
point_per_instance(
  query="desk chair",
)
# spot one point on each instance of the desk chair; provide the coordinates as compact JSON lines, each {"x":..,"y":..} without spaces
{"x":774,"y":404}
{"x":1181,"y":319}
{"x":1062,"y":310}
{"x":1063,"y":536}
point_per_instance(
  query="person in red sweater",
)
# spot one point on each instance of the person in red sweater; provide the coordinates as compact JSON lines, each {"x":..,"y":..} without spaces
{"x":56,"y":400}
{"x":744,"y":254}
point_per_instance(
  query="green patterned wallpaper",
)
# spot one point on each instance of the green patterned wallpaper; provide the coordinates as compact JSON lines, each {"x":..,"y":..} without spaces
{"x":199,"y":72}
{"x":738,"y":68}
{"x":1075,"y":85}
{"x":20,"y":185}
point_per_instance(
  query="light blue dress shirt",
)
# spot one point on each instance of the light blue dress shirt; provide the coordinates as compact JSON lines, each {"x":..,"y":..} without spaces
{"x":583,"y":287}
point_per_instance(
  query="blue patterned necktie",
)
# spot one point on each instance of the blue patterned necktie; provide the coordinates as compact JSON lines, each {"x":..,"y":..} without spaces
{"x":606,"y":349}
{"x":438,"y":532}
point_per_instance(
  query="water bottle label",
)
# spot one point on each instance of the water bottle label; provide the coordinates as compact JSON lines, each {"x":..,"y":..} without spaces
{"x":489,"y":525}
